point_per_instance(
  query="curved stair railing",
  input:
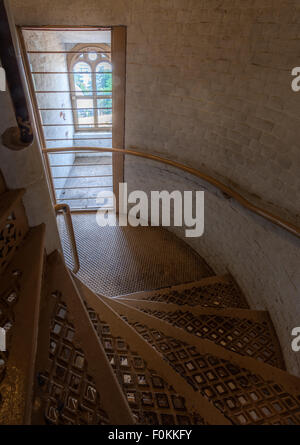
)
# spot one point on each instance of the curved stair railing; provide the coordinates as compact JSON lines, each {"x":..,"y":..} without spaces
{"x":227,"y":191}
{"x":70,"y":229}
{"x":15,"y":138}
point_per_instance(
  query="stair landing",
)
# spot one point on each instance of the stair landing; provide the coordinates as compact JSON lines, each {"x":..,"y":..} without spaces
{"x":123,"y":260}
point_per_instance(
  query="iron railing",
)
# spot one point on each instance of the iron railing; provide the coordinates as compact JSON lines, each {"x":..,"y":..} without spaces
{"x":70,"y":230}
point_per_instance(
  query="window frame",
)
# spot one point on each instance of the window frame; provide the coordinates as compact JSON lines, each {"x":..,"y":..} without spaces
{"x":103,"y":55}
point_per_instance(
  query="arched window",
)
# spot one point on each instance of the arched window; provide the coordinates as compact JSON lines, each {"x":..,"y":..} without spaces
{"x":91,"y":87}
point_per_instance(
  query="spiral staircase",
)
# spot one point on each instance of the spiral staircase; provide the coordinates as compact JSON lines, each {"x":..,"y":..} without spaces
{"x":189,"y":354}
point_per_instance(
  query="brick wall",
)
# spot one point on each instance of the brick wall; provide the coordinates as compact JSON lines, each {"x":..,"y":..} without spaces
{"x":208,"y":82}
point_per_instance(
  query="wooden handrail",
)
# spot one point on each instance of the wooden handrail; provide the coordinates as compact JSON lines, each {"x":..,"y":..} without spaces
{"x":70,"y":229}
{"x":277,"y":220}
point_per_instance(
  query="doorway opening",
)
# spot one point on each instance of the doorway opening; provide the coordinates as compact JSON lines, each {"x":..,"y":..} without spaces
{"x":78,"y":106}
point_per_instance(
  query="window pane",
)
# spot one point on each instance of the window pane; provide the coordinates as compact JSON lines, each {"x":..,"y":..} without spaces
{"x":82,"y":78}
{"x":104,"y":82}
{"x":85,"y":113}
{"x":85,"y":103}
{"x":93,"y":56}
{"x":104,"y":76}
{"x":104,"y":67}
{"x":103,"y":93}
{"x":105,"y":103}
{"x":104,"y":115}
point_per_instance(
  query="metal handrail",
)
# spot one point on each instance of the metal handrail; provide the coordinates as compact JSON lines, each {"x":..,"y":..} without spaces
{"x":227,"y":191}
{"x":70,"y":229}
